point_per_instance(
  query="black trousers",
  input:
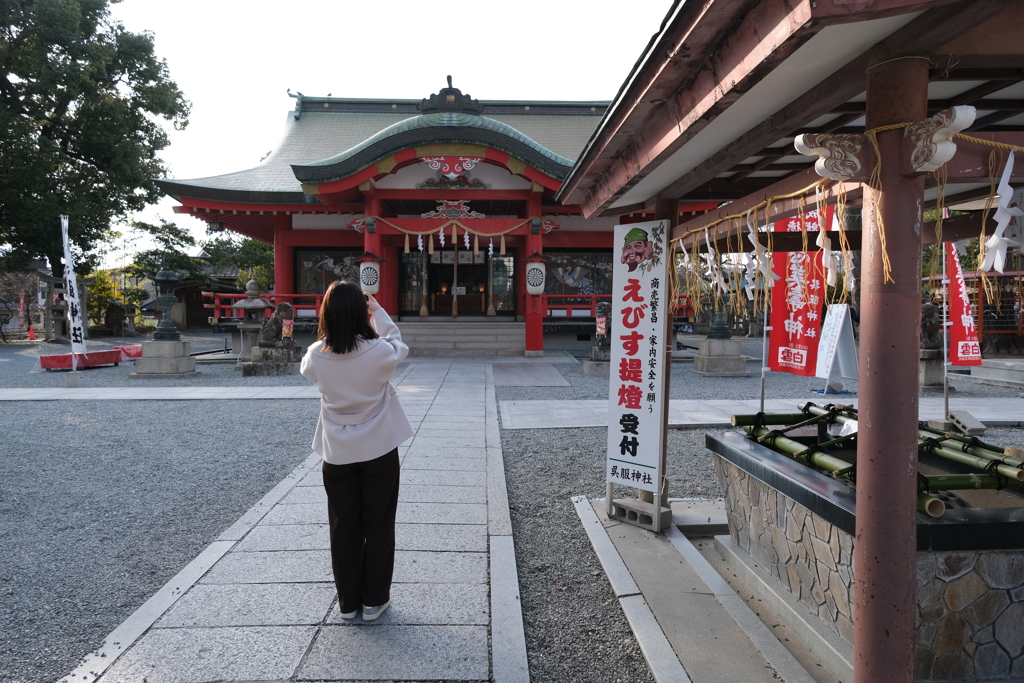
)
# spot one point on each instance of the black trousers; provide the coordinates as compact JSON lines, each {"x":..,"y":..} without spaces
{"x":362,"y":499}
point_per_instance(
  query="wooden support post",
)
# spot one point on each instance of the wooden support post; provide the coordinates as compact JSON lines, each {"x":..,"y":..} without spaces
{"x":284,"y":281}
{"x":886,"y":551}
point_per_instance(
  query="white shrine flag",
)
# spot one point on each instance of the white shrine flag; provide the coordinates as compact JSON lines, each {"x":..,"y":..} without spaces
{"x":76,"y":326}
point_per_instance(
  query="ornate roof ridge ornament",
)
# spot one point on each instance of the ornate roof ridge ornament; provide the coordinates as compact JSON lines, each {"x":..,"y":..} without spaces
{"x":450,"y":100}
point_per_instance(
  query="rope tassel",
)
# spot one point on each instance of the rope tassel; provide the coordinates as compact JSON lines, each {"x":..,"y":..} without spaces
{"x":502,"y":250}
{"x":430,"y":243}
{"x":476,"y":245}
{"x":406,"y":243}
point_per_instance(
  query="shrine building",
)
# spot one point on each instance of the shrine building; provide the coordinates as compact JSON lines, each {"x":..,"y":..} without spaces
{"x":443,"y":208}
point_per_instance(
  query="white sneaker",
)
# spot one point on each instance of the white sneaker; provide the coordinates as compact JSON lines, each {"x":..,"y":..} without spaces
{"x":372,"y":613}
{"x":349,"y":615}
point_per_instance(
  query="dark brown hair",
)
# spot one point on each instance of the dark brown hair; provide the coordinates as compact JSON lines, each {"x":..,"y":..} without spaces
{"x":343,"y":318}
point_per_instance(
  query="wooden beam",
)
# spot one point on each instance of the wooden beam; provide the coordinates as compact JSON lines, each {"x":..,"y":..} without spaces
{"x":923,"y":35}
{"x":763,"y":38}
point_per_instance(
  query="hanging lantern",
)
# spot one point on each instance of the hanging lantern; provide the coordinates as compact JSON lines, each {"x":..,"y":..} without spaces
{"x":535,"y":276}
{"x":369,"y":277}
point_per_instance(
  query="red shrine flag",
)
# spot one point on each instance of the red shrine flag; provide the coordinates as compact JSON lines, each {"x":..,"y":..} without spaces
{"x":964,"y":347}
{"x":797,"y":300}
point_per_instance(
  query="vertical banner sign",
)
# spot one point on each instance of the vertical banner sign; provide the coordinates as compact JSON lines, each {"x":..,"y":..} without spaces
{"x":75,"y":326}
{"x":964,"y":347}
{"x":640,"y":299}
{"x":797,"y":301}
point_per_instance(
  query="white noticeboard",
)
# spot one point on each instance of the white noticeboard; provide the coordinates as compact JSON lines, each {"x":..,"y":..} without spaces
{"x":836,"y":340}
{"x":640,"y":302}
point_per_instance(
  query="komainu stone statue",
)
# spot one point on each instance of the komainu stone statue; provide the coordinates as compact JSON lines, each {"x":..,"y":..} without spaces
{"x":278,"y":329}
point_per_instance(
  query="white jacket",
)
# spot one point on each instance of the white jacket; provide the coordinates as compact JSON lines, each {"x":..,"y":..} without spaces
{"x":361,"y":417}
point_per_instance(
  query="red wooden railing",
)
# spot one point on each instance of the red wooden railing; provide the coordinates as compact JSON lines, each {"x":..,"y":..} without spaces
{"x":585,"y":305}
{"x":305,"y":305}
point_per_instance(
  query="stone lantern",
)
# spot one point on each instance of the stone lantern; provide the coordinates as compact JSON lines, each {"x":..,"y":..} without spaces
{"x":165,"y":281}
{"x":254,"y":310}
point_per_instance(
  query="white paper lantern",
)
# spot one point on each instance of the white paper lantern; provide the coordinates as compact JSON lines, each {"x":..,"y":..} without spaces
{"x":369,"y":277}
{"x":535,"y":275}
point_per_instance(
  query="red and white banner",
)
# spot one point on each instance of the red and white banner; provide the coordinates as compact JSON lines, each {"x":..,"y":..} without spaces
{"x":797,"y":300}
{"x":964,"y":347}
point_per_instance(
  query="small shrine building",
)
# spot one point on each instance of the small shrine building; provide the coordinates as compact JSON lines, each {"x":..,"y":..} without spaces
{"x":442,"y":208}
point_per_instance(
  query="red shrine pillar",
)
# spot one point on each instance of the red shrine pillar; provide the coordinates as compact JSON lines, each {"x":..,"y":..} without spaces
{"x":534,"y":245}
{"x":284,"y":261}
{"x":885,"y":555}
{"x":373,"y":243}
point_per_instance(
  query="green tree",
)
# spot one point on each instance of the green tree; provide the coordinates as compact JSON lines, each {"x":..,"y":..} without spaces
{"x":254,"y":259}
{"x":81,"y":104}
{"x":172,"y":242}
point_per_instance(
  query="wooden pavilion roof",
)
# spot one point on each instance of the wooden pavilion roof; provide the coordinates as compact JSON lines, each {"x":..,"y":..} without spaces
{"x":711,"y":108}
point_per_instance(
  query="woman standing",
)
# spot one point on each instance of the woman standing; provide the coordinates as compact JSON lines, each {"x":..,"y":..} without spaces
{"x":360,"y":427}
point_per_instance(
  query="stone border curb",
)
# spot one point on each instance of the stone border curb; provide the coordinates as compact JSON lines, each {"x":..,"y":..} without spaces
{"x":823,"y":643}
{"x":509,"y":663}
{"x":661,"y":658}
{"x":95,"y":664}
{"x":778,"y":656}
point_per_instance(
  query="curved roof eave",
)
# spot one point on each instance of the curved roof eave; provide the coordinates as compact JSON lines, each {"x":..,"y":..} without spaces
{"x":432,"y":128}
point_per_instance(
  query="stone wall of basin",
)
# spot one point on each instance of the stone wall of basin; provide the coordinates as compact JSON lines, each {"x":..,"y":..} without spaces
{"x":970,"y":621}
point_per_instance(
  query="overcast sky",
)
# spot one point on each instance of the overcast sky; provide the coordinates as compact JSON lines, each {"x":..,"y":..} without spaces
{"x":235,"y":60}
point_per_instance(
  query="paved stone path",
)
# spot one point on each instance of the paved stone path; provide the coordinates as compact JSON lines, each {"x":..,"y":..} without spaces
{"x":259,"y":603}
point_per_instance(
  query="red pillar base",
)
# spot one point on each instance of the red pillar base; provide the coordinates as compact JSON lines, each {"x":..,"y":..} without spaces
{"x":534,"y":328}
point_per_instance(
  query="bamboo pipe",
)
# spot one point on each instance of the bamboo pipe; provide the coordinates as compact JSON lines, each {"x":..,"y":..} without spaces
{"x":797,"y":449}
{"x":979,"y":461}
{"x":980,"y":449}
{"x":931,"y":506}
{"x":964,"y":482}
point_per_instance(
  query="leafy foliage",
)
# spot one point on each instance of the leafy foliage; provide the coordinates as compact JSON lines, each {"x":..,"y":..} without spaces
{"x":170,"y":251}
{"x":255,"y":259}
{"x":81,"y":103}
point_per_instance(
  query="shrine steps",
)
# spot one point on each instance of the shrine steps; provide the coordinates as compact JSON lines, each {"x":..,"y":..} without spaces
{"x":463,"y":337}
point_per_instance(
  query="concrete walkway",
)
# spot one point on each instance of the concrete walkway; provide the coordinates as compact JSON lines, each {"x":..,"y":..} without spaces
{"x":259,"y":603}
{"x":686,"y":414}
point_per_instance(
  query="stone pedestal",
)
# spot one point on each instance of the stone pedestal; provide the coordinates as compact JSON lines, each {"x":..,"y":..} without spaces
{"x":720,"y":358}
{"x":930,"y":373}
{"x":273,"y":361}
{"x":164,"y":360}
{"x":600,"y":360}
{"x":250,"y":339}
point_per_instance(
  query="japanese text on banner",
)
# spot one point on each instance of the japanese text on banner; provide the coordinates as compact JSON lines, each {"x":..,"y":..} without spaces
{"x":964,"y":347}
{"x":639,"y":290}
{"x":76,"y":326}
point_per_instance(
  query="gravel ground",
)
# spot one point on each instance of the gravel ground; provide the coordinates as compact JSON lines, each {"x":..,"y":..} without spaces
{"x":19,"y":367}
{"x":574,"y":626}
{"x":100,"y":508}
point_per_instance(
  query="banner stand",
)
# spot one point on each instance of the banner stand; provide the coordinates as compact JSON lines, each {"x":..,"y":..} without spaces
{"x":764,"y":356}
{"x":945,"y":424}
